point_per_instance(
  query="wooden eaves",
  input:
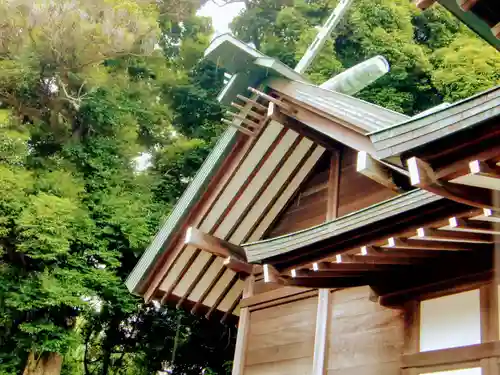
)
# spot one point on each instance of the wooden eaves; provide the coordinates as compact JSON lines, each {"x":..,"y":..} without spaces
{"x":453,"y":152}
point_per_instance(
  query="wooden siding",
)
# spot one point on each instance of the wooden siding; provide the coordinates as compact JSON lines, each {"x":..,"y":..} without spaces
{"x":309,"y":207}
{"x":281,"y":339}
{"x":355,"y":190}
{"x":365,"y":338}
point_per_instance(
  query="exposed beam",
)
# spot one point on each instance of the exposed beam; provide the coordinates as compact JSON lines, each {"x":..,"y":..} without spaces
{"x":466,"y":5}
{"x":237,"y":265}
{"x":213,"y":245}
{"x":488,"y":215}
{"x":444,"y":235}
{"x":269,"y":98}
{"x":251,"y":101}
{"x":375,"y":170}
{"x":396,"y":253}
{"x":460,"y":225}
{"x":480,"y":175}
{"x":424,"y":4}
{"x":411,"y":244}
{"x":423,"y":176}
{"x":271,"y":274}
{"x":239,"y":127}
{"x":331,"y":268}
{"x":243,"y":119}
{"x":370,"y":259}
{"x":325,"y":282}
{"x":249,"y":112}
{"x":495,"y":30}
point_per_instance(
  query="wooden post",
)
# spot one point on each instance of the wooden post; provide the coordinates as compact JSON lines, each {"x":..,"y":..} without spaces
{"x":243,"y":330}
{"x":321,"y":335}
{"x":488,"y":295}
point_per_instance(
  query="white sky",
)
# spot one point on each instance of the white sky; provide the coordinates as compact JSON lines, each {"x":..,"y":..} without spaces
{"x":221,"y":16}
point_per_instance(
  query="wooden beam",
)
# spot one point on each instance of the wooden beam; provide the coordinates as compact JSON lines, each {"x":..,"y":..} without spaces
{"x":424,"y":4}
{"x":244,"y":119}
{"x":423,"y":176}
{"x":269,"y":98}
{"x":444,"y":235}
{"x":213,"y":245}
{"x":495,"y":30}
{"x":271,"y":274}
{"x":376,"y":171}
{"x":239,"y":127}
{"x":249,"y":112}
{"x":460,"y":225}
{"x":466,"y":5}
{"x":411,"y":244}
{"x":331,"y":268}
{"x":323,"y":313}
{"x":251,"y":101}
{"x":488,"y":215}
{"x":237,"y":265}
{"x":481,"y":176}
{"x":387,"y":259}
{"x":451,"y":356}
{"x":396,"y":253}
{"x":326,"y":282}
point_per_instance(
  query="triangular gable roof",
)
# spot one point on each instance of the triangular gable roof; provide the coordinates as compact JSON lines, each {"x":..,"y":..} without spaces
{"x":243,"y":185}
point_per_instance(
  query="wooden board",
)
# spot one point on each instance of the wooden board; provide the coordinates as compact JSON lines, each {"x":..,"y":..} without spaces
{"x":365,"y":338}
{"x":281,"y":339}
{"x":355,"y":190}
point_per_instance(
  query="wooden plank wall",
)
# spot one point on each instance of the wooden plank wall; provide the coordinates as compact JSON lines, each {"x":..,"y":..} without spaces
{"x":364,"y":338}
{"x":310,"y":205}
{"x":355,"y":190}
{"x":281,"y":339}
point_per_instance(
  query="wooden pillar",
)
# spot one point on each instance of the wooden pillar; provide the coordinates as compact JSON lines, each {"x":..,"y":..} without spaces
{"x":488,"y":295}
{"x":321,"y":335}
{"x":320,"y":354}
{"x":243,"y":329}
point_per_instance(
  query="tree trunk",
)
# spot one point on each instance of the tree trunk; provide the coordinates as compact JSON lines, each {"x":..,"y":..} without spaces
{"x":47,"y":364}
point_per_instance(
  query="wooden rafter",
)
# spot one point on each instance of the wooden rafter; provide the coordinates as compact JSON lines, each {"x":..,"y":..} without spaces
{"x":325,"y":282}
{"x":287,"y":107}
{"x":395,"y":253}
{"x":461,"y":225}
{"x":423,"y":176}
{"x":480,"y":175}
{"x":488,"y":215}
{"x":244,"y":119}
{"x":252,"y":113}
{"x":251,"y":101}
{"x":212,"y":244}
{"x":237,"y":265}
{"x":411,"y":244}
{"x":376,"y":171}
{"x":445,"y":235}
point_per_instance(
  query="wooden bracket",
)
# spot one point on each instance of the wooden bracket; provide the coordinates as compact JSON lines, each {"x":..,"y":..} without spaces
{"x":376,"y":171}
{"x":213,"y":245}
{"x":423,"y":176}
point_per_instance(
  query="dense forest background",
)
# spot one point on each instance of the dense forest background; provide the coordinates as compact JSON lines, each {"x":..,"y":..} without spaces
{"x":88,"y":86}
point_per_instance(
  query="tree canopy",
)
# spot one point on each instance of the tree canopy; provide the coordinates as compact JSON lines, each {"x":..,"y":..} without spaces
{"x":88,"y":86}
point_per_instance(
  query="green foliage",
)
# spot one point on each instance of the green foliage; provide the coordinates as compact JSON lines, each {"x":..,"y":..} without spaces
{"x":465,"y":67}
{"x":80,"y":98}
{"x":433,"y":57}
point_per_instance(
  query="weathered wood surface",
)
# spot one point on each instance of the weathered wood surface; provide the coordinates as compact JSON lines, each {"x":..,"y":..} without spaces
{"x":365,"y":338}
{"x":281,"y":339}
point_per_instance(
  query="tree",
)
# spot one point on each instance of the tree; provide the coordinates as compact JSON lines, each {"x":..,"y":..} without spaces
{"x":83,"y":90}
{"x":414,"y":43}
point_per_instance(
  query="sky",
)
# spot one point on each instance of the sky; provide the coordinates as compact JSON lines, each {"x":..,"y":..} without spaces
{"x":221,"y":16}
